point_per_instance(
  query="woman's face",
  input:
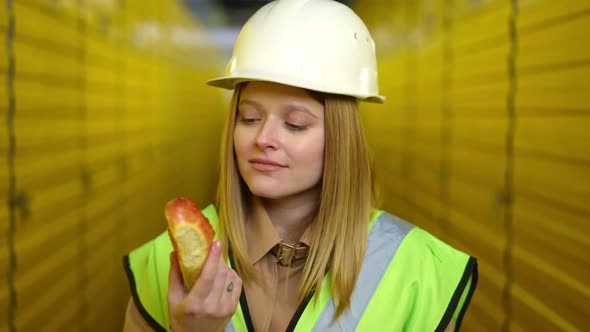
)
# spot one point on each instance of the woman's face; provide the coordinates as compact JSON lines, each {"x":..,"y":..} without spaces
{"x":279,"y":139}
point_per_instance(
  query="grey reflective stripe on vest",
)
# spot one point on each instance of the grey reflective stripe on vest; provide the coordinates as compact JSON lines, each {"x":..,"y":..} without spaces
{"x":384,"y":240}
{"x":229,"y":327}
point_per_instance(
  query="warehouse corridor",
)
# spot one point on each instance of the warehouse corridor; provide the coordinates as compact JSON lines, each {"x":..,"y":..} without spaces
{"x":483,"y":141}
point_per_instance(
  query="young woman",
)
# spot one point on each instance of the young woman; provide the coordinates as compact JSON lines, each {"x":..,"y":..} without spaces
{"x":300,"y":245}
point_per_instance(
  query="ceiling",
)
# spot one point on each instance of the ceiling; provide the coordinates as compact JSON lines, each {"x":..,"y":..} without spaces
{"x":228,"y":13}
{"x":223,"y":19}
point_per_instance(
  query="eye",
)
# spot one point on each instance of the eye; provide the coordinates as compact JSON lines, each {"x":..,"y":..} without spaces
{"x":295,"y":127}
{"x":248,"y":120}
{"x":248,"y":117}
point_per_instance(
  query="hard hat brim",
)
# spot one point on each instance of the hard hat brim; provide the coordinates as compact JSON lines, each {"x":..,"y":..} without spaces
{"x":230,"y":82}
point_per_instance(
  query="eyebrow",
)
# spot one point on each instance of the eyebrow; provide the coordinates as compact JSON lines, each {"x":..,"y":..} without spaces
{"x":291,"y":107}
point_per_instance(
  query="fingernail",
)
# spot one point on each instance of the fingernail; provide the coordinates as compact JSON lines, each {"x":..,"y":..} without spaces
{"x":217,"y":247}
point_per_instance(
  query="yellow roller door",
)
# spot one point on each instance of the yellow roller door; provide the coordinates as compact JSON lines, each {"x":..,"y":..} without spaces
{"x":512,"y":80}
{"x":552,"y":167}
{"x":5,"y":171}
{"x":47,"y":161}
{"x":478,"y":87}
{"x":450,"y":117}
{"x":108,"y":127}
{"x":428,"y":114}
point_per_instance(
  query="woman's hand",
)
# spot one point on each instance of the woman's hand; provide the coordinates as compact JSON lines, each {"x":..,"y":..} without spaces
{"x":212,"y":301}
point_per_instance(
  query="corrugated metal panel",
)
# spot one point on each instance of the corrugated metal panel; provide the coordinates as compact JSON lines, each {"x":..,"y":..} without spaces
{"x":386,"y":128}
{"x":105,"y":239}
{"x":102,"y":144}
{"x":412,"y":209}
{"x":46,"y":24}
{"x":552,"y":167}
{"x":477,"y":25}
{"x":4,"y":306}
{"x":458,"y":84}
{"x":4,"y":19}
{"x":476,"y":184}
{"x":478,"y":88}
{"x":110,"y":297}
{"x":4,"y":255}
{"x":46,"y":163}
{"x":543,"y":23}
{"x":427,"y":113}
{"x":514,"y":185}
{"x":4,"y":175}
{"x":3,"y":52}
{"x":104,"y":130}
{"x":45,"y":275}
{"x":542,"y":258}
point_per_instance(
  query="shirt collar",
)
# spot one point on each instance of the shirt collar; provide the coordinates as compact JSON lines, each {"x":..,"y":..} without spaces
{"x":261,"y":234}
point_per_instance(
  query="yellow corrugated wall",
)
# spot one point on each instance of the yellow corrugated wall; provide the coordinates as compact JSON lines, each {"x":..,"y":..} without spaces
{"x":485,"y":142}
{"x":110,"y":119}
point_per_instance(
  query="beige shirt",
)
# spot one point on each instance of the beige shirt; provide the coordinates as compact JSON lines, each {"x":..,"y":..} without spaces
{"x":273,"y":300}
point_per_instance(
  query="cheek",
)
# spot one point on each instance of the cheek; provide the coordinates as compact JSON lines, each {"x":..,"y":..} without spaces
{"x":313,"y":153}
{"x":320,"y":156}
{"x":318,"y":150}
{"x":239,"y":141}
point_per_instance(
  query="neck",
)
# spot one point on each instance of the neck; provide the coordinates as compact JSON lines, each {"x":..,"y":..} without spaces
{"x":292,"y":215}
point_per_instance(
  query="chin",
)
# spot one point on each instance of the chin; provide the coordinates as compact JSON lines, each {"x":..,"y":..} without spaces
{"x":272,"y":188}
{"x":271,"y":192}
{"x":267,"y":187}
{"x":275,"y":191}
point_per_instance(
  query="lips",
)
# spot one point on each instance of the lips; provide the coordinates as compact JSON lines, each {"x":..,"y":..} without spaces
{"x":265,"y":165}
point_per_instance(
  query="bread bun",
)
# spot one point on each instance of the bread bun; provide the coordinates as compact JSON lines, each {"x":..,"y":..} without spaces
{"x":191,"y":235}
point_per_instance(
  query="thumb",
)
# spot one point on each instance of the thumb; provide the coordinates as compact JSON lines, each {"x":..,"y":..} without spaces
{"x":176,"y":291}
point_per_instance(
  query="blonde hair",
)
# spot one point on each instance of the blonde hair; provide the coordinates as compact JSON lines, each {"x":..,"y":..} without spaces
{"x":339,"y":231}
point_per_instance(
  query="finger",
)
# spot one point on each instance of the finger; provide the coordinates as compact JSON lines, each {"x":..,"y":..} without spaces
{"x":225,"y":295}
{"x":176,"y":291}
{"x":231,"y":298}
{"x":203,"y":285}
{"x":220,"y":282}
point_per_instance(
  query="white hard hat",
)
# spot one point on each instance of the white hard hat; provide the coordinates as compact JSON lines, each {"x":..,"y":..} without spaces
{"x":320,"y":45}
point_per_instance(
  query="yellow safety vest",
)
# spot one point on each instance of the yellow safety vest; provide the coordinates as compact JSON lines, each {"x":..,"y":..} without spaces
{"x":409,"y":281}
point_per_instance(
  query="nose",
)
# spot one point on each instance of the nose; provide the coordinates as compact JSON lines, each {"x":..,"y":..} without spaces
{"x":267,"y":137}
